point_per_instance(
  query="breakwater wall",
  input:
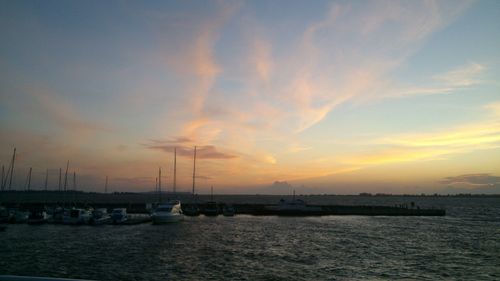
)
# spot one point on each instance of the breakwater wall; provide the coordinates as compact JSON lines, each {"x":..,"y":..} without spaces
{"x":262,"y":209}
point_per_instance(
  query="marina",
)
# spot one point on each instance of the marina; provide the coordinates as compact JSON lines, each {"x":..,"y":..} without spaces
{"x":120,"y":213}
{"x":295,"y":248}
{"x":249,"y":140}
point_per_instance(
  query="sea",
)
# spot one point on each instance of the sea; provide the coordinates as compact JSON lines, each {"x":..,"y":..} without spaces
{"x":463,"y":245}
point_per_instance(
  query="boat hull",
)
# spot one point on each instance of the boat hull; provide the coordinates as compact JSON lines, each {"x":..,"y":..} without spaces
{"x":191,"y":211}
{"x":167,"y":219}
{"x":100,"y":221}
{"x":211,"y":213}
{"x":38,"y":221}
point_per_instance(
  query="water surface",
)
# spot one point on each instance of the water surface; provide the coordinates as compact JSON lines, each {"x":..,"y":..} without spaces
{"x":464,"y":245}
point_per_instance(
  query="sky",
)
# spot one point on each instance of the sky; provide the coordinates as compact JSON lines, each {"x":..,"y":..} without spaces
{"x":335,"y":97}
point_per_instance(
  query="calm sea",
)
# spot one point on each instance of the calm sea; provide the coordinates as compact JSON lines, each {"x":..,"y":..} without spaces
{"x":464,"y":245}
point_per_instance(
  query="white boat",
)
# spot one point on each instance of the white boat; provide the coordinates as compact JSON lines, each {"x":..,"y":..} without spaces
{"x":119,"y":215}
{"x":169,"y":212}
{"x":100,"y":216}
{"x":76,"y":216}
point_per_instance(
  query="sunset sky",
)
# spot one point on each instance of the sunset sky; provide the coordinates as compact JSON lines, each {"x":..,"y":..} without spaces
{"x":318,"y":96}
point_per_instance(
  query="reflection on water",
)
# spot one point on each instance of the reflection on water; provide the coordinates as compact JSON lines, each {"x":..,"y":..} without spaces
{"x":464,"y":245}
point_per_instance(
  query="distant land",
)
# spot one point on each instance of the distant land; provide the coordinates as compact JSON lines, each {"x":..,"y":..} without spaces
{"x":81,"y":197}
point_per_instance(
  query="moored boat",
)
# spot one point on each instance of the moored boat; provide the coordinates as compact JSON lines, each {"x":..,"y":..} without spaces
{"x":4,"y":214}
{"x":211,"y":209}
{"x":38,"y":216}
{"x":119,"y":215}
{"x":57,"y":215}
{"x":76,"y":216}
{"x":100,"y":216}
{"x":191,"y":210}
{"x":166,"y":213}
{"x":18,"y":216}
{"x":228,"y":210}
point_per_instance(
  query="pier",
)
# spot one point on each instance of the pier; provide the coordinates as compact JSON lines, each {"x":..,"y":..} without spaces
{"x":328,"y":210}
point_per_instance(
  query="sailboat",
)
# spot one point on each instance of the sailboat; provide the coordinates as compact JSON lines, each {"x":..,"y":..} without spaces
{"x":211,"y":207}
{"x":20,"y":215}
{"x":192,"y":210}
{"x":171,"y":211}
{"x":38,"y":216}
{"x":7,"y":177}
{"x":76,"y":215}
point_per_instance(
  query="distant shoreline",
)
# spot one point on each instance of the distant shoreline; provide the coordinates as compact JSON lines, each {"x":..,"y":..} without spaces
{"x":187,"y":194}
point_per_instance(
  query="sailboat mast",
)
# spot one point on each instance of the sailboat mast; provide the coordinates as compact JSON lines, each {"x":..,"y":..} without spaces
{"x":74,"y":188}
{"x":12,"y":168}
{"x":65,"y":184}
{"x":159,"y":185}
{"x":3,"y":174}
{"x":106,"y":185}
{"x":66,"y":177}
{"x":212,"y":193}
{"x":175,"y":168}
{"x":194,"y":168}
{"x":6,"y":177}
{"x":46,"y":179}
{"x":59,"y":185}
{"x":29,"y":179}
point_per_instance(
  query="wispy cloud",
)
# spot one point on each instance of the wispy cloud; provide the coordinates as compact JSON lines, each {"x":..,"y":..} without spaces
{"x":463,"y":76}
{"x":285,"y":92}
{"x":472,"y":179}
{"x":320,"y":74}
{"x":327,"y":67}
{"x":261,"y":59}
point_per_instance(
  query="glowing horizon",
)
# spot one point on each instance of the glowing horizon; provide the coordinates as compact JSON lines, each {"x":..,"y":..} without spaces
{"x":323,"y":97}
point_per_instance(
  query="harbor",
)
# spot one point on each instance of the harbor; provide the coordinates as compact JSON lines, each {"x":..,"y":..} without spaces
{"x":75,"y":207}
{"x":18,"y":206}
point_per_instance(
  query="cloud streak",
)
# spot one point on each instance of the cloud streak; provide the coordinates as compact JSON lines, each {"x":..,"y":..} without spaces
{"x":472,"y":179}
{"x":180,"y":145}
